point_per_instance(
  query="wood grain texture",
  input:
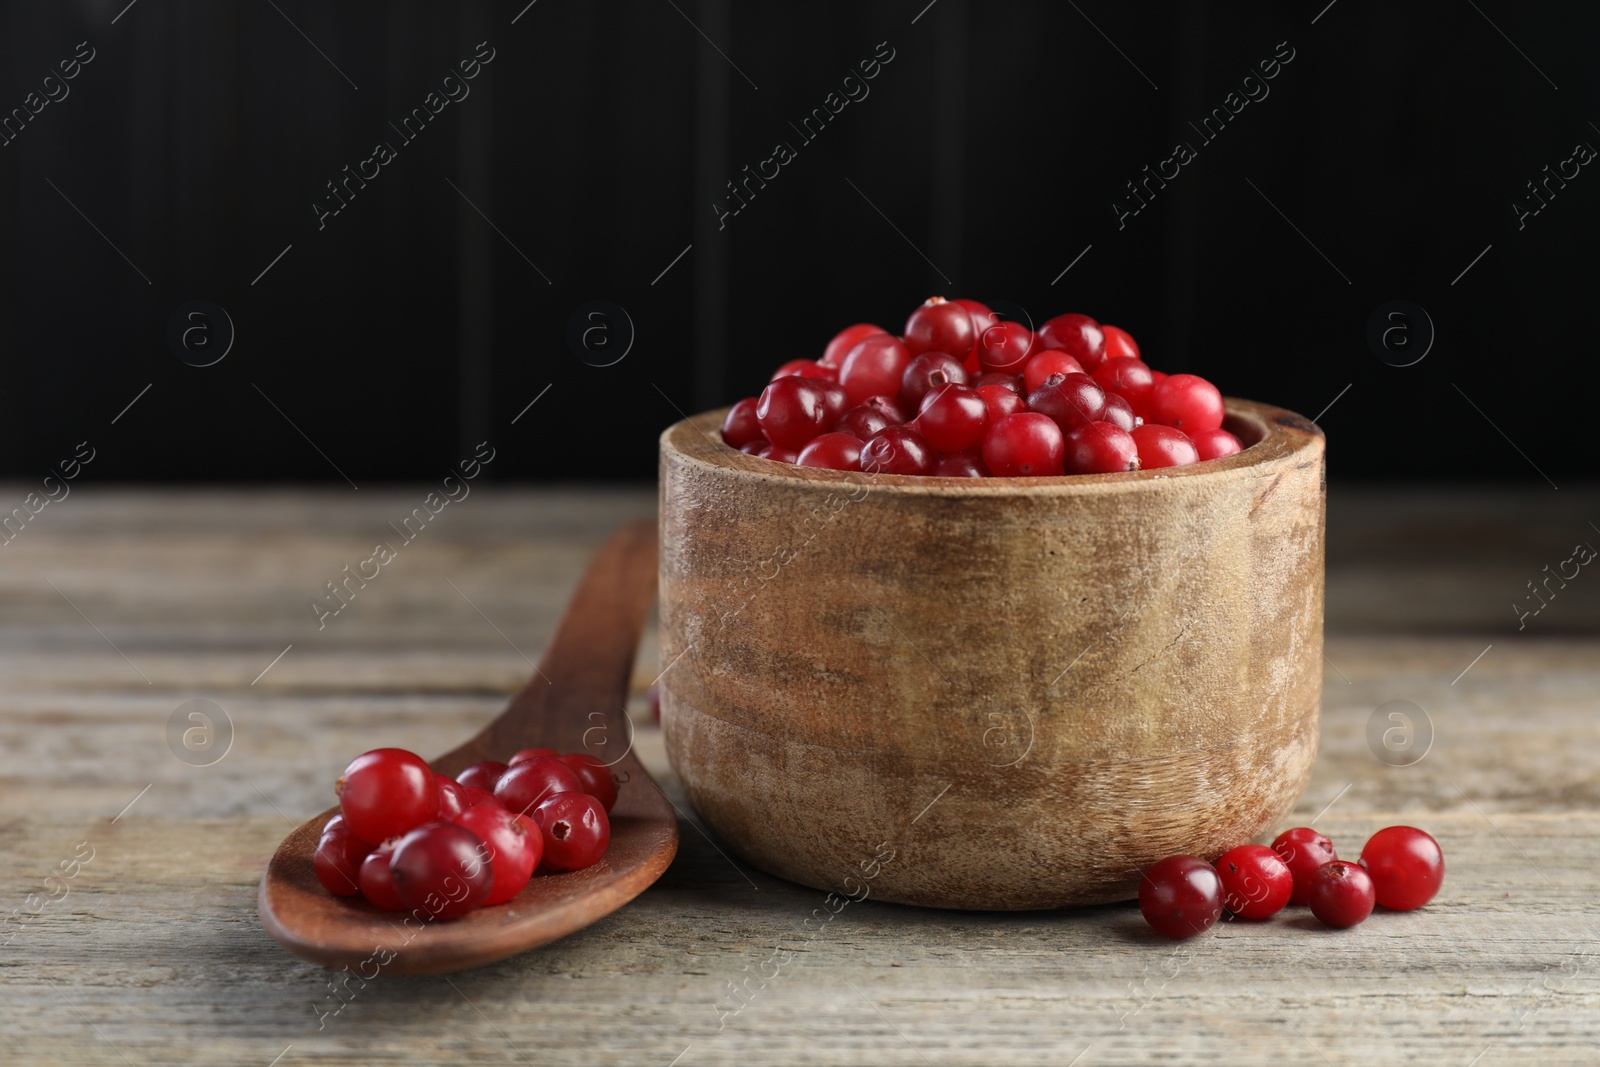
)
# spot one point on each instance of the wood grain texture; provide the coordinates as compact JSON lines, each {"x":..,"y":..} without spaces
{"x":155,"y":954}
{"x":1086,"y":674}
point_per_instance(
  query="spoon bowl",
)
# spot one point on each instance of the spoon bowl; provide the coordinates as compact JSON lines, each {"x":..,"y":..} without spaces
{"x":573,"y":703}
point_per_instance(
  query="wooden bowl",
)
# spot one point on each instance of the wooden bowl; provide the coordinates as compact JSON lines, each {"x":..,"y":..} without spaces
{"x":995,"y":693}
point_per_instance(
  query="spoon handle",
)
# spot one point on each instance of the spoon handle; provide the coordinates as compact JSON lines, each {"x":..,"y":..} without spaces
{"x":576,"y":698}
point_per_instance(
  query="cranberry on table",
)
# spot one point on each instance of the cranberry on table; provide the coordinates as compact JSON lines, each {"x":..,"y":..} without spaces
{"x":524,"y":786}
{"x":1304,"y":852}
{"x":1119,"y":343}
{"x":1187,"y":402}
{"x":953,"y":418}
{"x":897,"y":450}
{"x":959,"y":465}
{"x":873,"y":367}
{"x":1406,"y":866}
{"x":1077,"y":335}
{"x":1341,"y":894}
{"x":377,"y":879}
{"x":928,"y":372}
{"x":845,"y":340}
{"x":1100,"y":448}
{"x":1119,"y":412}
{"x":385,"y":792}
{"x":483,"y":774}
{"x":1042,"y":364}
{"x":1071,"y":400}
{"x":792,"y":411}
{"x":1181,"y":896}
{"x":1214,"y":444}
{"x":338,"y":861}
{"x":576,"y":831}
{"x":441,"y":870}
{"x":1026,"y":444}
{"x":1163,"y":446}
{"x":1005,"y":346}
{"x":741,"y":426}
{"x":515,"y":847}
{"x":833,"y":451}
{"x":1256,"y":883}
{"x":525,"y":754}
{"x":594,"y":776}
{"x":940,"y":326}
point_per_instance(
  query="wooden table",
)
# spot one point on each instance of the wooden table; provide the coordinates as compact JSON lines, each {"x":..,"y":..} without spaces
{"x":120,"y":606}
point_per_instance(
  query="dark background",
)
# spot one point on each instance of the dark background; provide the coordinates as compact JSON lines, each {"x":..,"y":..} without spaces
{"x":599,"y":137}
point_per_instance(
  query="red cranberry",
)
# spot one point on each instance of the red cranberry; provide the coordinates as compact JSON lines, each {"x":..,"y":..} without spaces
{"x":338,"y":861}
{"x":594,"y":776}
{"x":377,"y":880}
{"x":442,"y":870}
{"x":897,"y":450}
{"x":525,"y":754}
{"x":452,"y":801}
{"x":779,"y":455}
{"x":927,"y":372}
{"x":1256,"y":883}
{"x":1025,"y":444}
{"x":833,"y":451}
{"x":1042,"y":364}
{"x":1120,"y":413}
{"x":1100,"y":448}
{"x":873,"y":367}
{"x":756,"y":447}
{"x":960,"y":465}
{"x":472,"y":796}
{"x":1119,"y":343}
{"x":1070,"y":400}
{"x":385,"y":792}
{"x":1181,"y":896}
{"x":1186,"y":401}
{"x":807,"y":368}
{"x":1000,"y":400}
{"x":1078,"y":336}
{"x":1214,"y":444}
{"x":1005,"y":346}
{"x":576,"y":831}
{"x":1406,"y":866}
{"x":1163,"y":446}
{"x":1128,"y":377}
{"x":845,"y":340}
{"x":482,"y":775}
{"x":515,"y":848}
{"x":953,"y":418}
{"x":1012,"y":382}
{"x":1341,"y":894}
{"x":792,"y":411}
{"x":865,"y":421}
{"x":940,"y":326}
{"x":835,"y":402}
{"x":1304,"y":851}
{"x":522,"y":787}
{"x":980,"y":314}
{"x":741,"y":426}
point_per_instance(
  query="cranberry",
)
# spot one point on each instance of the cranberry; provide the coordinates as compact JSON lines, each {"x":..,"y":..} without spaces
{"x":1341,"y":894}
{"x":897,"y":450}
{"x":1163,"y":446}
{"x":1406,"y":866}
{"x":1022,"y":445}
{"x":741,"y":426}
{"x":377,"y":879}
{"x":927,"y":372}
{"x":1100,"y":448}
{"x":756,"y":447}
{"x":873,"y":367}
{"x":835,"y":402}
{"x":1120,"y":413}
{"x":515,"y":848}
{"x":1256,"y":883}
{"x":482,"y":775}
{"x":1005,"y":346}
{"x":338,"y":861}
{"x":1129,"y":377}
{"x":1119,"y":343}
{"x":525,"y":754}
{"x":522,"y":787}
{"x":385,"y":792}
{"x":472,"y":796}
{"x":335,"y":822}
{"x":1078,"y":336}
{"x":1181,"y":896}
{"x":1042,"y":365}
{"x":441,"y":869}
{"x":779,"y":455}
{"x":833,"y":451}
{"x":866,"y":420}
{"x":845,"y":340}
{"x":594,"y":776}
{"x":953,"y":418}
{"x":1001,"y":400}
{"x":1214,"y":444}
{"x":792,"y":411}
{"x":576,"y":831}
{"x":1012,"y":382}
{"x":980,"y":314}
{"x":452,"y":801}
{"x":1070,"y":400}
{"x":1304,"y":851}
{"x":1186,"y":401}
{"x":807,"y":368}
{"x":960,"y":465}
{"x":940,"y":326}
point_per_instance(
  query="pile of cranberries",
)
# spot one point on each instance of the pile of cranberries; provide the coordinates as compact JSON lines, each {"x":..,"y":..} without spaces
{"x":1401,"y":868}
{"x":408,"y":839}
{"x":965,"y":394}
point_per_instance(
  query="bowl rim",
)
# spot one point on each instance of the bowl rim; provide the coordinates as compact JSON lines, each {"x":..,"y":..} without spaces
{"x":1282,"y":439}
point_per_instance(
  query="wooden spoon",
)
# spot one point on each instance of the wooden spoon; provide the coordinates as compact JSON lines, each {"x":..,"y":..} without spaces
{"x":573,"y":702}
